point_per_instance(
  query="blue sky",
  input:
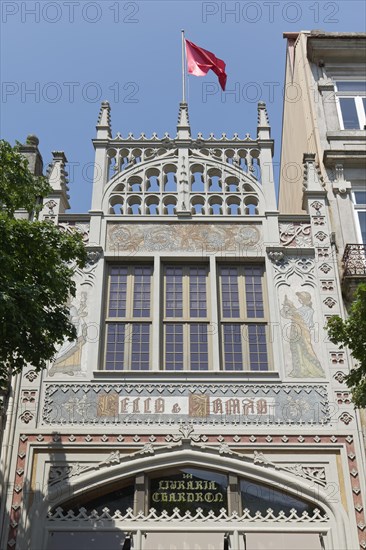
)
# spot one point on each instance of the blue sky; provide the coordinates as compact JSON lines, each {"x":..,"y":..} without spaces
{"x":60,"y":59}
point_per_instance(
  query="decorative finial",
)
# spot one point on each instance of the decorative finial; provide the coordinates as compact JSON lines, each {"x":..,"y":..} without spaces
{"x":263,"y":128}
{"x":32,"y":140}
{"x":183,"y":128}
{"x":104,"y":121}
{"x":312,"y":177}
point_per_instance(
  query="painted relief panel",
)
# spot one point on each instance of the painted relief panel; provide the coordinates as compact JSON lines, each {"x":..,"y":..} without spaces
{"x":185,"y":237}
{"x":301,"y":332}
{"x":68,"y":358}
{"x":171,"y":404}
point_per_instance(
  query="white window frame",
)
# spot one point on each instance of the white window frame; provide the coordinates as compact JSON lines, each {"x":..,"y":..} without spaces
{"x":358,"y":208}
{"x":361,"y":111}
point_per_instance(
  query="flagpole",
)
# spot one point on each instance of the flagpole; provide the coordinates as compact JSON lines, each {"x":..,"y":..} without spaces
{"x":183,"y":70}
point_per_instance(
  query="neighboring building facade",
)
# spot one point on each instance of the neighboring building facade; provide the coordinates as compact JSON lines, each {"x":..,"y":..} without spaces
{"x":201,"y":405}
{"x":325,"y":114}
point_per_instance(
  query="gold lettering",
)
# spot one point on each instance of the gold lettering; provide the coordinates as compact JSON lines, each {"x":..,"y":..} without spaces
{"x":176,"y":408}
{"x":159,"y":405}
{"x":217,"y":406}
{"x":262,"y":406}
{"x":181,"y":497}
{"x":147,"y":405}
{"x":209,"y":497}
{"x":248,"y":406}
{"x":199,"y":405}
{"x":199,"y":497}
{"x":181,"y":485}
{"x":190,"y":497}
{"x":164,"y":497}
{"x":212,"y":485}
{"x":190,"y":486}
{"x":199,"y":485}
{"x":163,"y":485}
{"x":108,"y":405}
{"x":219,"y":497}
{"x":172,"y":497}
{"x":232,"y":406}
{"x":124,"y":405}
{"x":155,"y":497}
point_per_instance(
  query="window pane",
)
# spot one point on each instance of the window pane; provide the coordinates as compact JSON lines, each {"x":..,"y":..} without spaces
{"x":360,"y":197}
{"x":253,"y":290}
{"x":115,"y":346}
{"x":233,"y":355}
{"x":257,"y":347}
{"x":230,"y":292}
{"x":197,"y":292}
{"x":117,"y":292}
{"x":174,"y":292}
{"x":199,"y":347}
{"x":115,"y":499}
{"x":140,"y":350}
{"x":174,"y":346}
{"x":362,"y":220}
{"x":351,"y":86}
{"x":141,"y":291}
{"x":259,"y":497}
{"x":349,"y":113}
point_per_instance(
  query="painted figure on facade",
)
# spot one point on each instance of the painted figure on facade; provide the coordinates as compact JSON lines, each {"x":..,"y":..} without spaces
{"x":304,"y":360}
{"x":68,"y":357}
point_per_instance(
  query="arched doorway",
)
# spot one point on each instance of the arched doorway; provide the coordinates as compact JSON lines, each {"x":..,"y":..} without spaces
{"x":190,"y":499}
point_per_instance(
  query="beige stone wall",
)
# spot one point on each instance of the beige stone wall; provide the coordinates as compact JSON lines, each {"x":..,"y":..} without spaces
{"x":298,"y":129}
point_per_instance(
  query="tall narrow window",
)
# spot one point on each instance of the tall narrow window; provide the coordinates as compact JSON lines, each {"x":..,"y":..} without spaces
{"x":186,"y":335}
{"x":359,"y":200}
{"x":129,"y":318}
{"x":351,"y":96}
{"x":243,"y":324}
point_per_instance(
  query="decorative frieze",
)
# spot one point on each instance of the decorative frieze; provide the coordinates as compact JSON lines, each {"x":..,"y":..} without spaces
{"x":199,"y":515}
{"x":169,"y":404}
{"x":184,"y":237}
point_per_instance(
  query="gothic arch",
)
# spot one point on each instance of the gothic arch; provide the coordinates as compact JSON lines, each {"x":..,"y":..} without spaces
{"x":240,"y":191}
{"x":183,"y":455}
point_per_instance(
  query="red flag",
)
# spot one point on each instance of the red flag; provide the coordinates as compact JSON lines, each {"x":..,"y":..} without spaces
{"x":200,"y":61}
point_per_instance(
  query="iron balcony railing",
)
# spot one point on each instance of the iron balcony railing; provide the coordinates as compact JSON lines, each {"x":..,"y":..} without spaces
{"x":354,"y":260}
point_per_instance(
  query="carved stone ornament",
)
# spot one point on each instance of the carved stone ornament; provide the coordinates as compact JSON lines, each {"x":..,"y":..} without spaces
{"x":59,"y":515}
{"x":31,"y":375}
{"x":63,"y":473}
{"x":286,"y":266}
{"x":295,"y":235}
{"x":82,"y":228}
{"x":50,"y":205}
{"x":311,"y":473}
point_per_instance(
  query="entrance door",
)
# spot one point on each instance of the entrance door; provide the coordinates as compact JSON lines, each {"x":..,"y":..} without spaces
{"x":183,"y":541}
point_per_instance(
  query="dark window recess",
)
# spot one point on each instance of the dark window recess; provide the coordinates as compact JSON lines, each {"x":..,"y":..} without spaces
{"x":259,"y":497}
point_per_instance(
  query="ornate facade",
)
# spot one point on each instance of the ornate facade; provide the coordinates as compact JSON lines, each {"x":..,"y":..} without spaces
{"x":201,"y":405}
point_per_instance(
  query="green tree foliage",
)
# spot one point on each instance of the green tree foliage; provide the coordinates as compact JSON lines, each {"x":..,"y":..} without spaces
{"x":352,"y":333}
{"x":37,"y":262}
